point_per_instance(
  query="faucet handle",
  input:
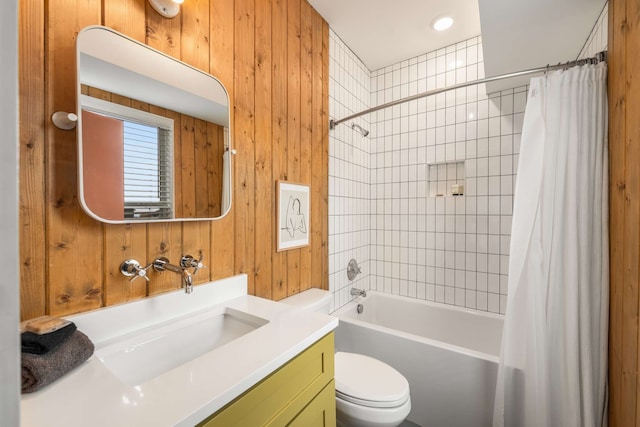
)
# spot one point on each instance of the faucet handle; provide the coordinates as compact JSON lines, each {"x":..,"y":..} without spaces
{"x":132,"y":268}
{"x":187,"y":261}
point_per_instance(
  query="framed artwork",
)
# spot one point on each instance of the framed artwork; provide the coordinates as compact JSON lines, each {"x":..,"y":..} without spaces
{"x":293,"y":201}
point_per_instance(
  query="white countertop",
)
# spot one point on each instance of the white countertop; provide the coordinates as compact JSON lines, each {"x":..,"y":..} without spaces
{"x":92,"y":395}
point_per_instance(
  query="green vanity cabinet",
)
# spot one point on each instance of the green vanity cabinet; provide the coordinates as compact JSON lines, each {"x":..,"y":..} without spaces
{"x":300,"y":393}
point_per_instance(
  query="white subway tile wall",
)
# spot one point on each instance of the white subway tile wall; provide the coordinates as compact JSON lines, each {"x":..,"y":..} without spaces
{"x":349,"y":166}
{"x":427,"y":243}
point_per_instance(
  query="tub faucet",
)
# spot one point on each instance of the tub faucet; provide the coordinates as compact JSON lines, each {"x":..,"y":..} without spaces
{"x":358,"y":292}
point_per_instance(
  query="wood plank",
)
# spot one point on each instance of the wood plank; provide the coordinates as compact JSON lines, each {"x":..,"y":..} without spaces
{"x":244,"y":180}
{"x":196,"y":242}
{"x":162,"y":33}
{"x":293,"y":126}
{"x":306,"y":123}
{"x":32,"y":155}
{"x":631,"y":362}
{"x":164,"y":239}
{"x":203,"y":143}
{"x":122,"y":242}
{"x":265,"y":210}
{"x":279,"y":127}
{"x":324,"y":213}
{"x":222,"y":66}
{"x":194,"y":37}
{"x":213,"y":172}
{"x":99,"y":94}
{"x":126,"y":16}
{"x":71,"y":234}
{"x":187,"y":167}
{"x":617,"y":123}
{"x":214,"y":168}
{"x":317,"y":171}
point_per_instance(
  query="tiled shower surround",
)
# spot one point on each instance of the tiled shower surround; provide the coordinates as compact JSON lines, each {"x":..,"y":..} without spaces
{"x":411,"y":235}
{"x":349,"y":172}
{"x":426,"y":242}
{"x":391,"y":205}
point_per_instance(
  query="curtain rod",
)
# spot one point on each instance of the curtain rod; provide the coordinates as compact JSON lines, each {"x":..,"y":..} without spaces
{"x":599,"y":57}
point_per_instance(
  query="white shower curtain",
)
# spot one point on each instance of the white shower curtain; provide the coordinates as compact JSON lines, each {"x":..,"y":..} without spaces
{"x":553,"y":367}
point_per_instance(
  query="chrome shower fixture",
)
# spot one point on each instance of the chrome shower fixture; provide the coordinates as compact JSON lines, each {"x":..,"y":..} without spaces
{"x":360,"y":129}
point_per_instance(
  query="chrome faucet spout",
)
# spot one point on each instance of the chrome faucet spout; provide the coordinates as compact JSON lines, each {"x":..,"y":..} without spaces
{"x":187,"y":281}
{"x":358,"y":292}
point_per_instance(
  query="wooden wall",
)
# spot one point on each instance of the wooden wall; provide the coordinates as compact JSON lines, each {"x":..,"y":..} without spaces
{"x":272,"y":55}
{"x":624,"y":152}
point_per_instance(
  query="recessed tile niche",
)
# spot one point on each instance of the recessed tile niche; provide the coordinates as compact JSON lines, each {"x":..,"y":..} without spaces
{"x":446,"y":179}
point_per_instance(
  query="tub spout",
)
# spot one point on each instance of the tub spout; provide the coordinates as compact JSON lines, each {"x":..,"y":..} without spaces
{"x":358,"y":292}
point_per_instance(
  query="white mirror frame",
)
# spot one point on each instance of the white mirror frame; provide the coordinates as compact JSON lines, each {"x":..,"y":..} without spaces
{"x":191,"y":85}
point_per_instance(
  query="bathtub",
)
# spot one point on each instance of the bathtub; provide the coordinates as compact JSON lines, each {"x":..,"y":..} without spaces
{"x":449,"y":355}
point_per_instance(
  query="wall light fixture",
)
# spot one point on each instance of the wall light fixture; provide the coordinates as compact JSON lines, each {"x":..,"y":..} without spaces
{"x":166,"y":8}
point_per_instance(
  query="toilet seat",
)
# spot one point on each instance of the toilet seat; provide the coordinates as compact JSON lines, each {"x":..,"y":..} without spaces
{"x":365,"y":381}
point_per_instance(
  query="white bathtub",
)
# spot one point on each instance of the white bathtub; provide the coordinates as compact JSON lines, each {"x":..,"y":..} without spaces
{"x":449,"y":355}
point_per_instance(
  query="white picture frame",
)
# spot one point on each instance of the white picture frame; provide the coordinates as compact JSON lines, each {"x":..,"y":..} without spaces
{"x":293,"y":215}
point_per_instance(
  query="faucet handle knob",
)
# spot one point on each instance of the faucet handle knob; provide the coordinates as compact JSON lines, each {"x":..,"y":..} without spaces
{"x":132,"y":268}
{"x":187,"y":261}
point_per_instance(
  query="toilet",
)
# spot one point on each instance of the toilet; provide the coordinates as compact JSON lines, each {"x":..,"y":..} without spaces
{"x":369,"y":393}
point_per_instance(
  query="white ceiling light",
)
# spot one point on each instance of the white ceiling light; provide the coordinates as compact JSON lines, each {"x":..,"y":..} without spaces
{"x":166,"y":8}
{"x":442,"y":23}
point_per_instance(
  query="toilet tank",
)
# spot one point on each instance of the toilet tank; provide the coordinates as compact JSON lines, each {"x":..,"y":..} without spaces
{"x":313,"y":299}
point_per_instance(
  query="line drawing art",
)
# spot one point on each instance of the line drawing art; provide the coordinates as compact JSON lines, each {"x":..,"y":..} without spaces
{"x":295,"y":220}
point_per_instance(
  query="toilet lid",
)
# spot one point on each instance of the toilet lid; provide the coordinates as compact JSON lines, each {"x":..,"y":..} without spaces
{"x":366,"y":381}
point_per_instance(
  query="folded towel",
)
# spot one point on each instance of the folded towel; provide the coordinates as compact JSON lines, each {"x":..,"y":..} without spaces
{"x":39,"y":370}
{"x":41,"y":344}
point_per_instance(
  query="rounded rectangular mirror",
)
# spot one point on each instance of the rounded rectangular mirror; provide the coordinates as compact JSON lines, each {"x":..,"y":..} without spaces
{"x":154,"y":140}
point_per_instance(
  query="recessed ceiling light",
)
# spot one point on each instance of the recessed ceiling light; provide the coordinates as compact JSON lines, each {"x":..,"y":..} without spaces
{"x":442,"y":23}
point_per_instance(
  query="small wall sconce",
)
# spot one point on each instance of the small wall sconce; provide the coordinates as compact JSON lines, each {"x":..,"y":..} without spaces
{"x":64,"y":120}
{"x":166,"y":8}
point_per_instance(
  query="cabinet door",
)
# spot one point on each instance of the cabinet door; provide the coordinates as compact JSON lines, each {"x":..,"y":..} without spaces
{"x":321,"y":412}
{"x":280,"y":397}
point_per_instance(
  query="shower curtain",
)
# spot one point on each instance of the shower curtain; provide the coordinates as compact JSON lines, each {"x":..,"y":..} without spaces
{"x":553,"y":367}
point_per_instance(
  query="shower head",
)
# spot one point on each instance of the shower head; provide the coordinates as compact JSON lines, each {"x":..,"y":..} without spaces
{"x":360,"y":129}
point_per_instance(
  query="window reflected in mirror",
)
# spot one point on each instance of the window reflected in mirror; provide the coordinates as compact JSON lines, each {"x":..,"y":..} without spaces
{"x":139,"y":186}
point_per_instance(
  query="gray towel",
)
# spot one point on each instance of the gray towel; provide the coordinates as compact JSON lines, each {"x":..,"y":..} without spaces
{"x":39,"y":370}
{"x":41,"y":344}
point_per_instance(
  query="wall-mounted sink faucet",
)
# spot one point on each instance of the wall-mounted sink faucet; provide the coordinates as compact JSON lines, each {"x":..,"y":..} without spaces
{"x":186,"y":262}
{"x":132,"y":268}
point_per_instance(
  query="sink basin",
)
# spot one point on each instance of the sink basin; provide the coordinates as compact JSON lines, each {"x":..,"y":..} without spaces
{"x":140,"y":356}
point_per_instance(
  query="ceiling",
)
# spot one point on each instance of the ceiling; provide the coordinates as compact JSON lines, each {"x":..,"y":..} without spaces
{"x":383,"y":32}
{"x":517,"y":34}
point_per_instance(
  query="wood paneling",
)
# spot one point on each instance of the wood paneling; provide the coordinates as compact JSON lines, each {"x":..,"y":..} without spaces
{"x":32,"y":155}
{"x":271,"y":56}
{"x":624,"y":208}
{"x":264,"y":238}
{"x":278,"y":132}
